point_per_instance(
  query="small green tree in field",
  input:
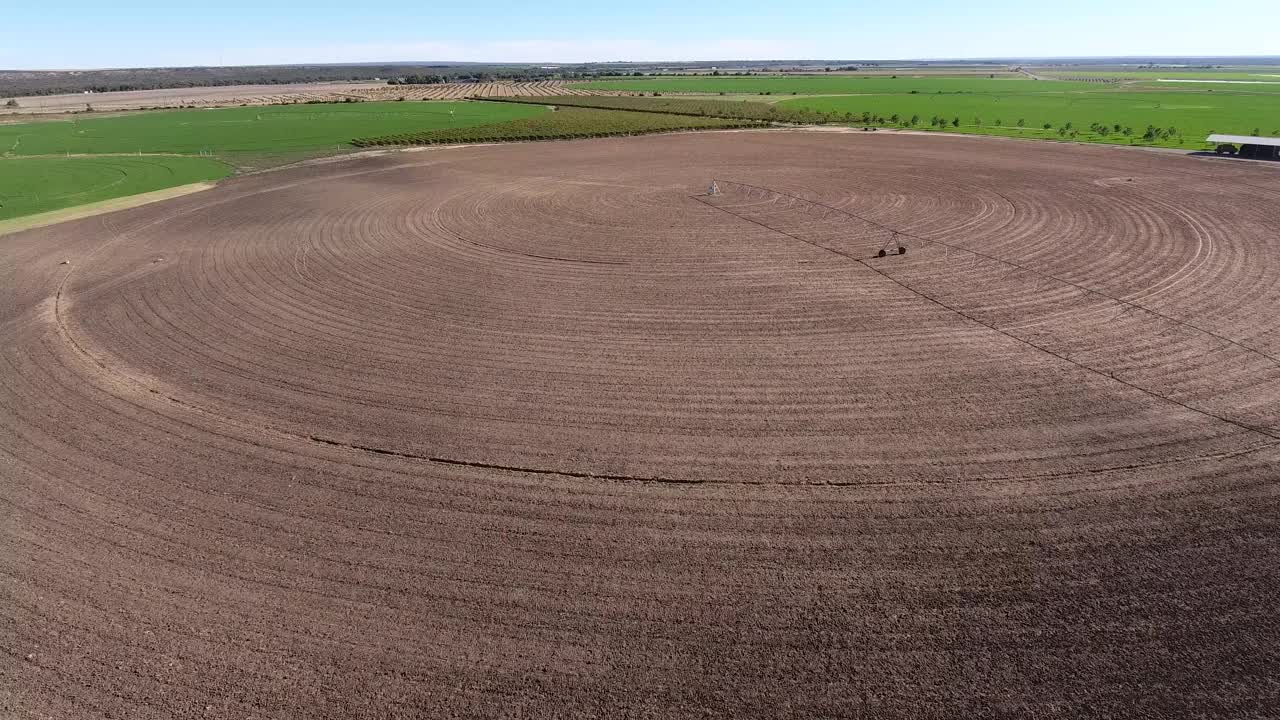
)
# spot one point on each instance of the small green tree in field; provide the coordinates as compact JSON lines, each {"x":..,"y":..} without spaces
{"x":1048,"y":126}
{"x":977,"y":121}
{"x":999,"y":122}
{"x":915,"y":120}
{"x":1022,"y":122}
{"x":955,"y":122}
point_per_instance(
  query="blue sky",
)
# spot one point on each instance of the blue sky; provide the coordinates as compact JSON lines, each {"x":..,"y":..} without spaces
{"x":94,"y":33}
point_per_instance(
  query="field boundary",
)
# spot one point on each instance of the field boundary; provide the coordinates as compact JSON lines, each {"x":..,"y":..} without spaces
{"x":78,"y":212}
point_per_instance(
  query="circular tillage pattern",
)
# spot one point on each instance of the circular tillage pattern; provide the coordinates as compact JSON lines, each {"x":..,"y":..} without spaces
{"x":544,"y":430}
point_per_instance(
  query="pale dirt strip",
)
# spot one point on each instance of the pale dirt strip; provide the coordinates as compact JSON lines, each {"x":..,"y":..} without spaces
{"x":52,"y":217}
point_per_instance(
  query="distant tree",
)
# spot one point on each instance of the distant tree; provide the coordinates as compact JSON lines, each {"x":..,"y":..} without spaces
{"x":999,"y":122}
{"x":1062,"y":131}
{"x":1022,"y":122}
{"x":1048,"y":126}
{"x":977,"y":121}
{"x":1068,"y":126}
{"x":1128,"y":130}
{"x":11,"y":103}
{"x":955,"y":122}
{"x":894,"y":118}
{"x":1117,"y":127}
{"x":915,"y":120}
{"x":1257,"y":132}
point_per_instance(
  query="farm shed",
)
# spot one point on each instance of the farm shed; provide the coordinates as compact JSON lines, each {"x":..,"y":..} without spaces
{"x":1250,"y":146}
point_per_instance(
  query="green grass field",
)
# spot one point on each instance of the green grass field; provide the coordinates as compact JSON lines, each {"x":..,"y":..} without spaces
{"x":567,"y":122}
{"x":43,"y":165}
{"x":837,"y":85}
{"x":1267,"y":87}
{"x":1194,"y":114}
{"x":145,"y":151}
{"x":36,"y":185}
{"x":248,"y":129}
{"x":994,"y":106}
{"x":1259,"y":72}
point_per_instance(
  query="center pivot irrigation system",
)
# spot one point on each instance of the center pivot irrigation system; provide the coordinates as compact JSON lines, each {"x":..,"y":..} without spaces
{"x":1123,"y":307}
{"x":895,"y":243}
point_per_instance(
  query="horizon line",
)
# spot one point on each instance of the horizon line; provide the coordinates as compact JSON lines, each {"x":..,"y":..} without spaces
{"x":701,"y":61}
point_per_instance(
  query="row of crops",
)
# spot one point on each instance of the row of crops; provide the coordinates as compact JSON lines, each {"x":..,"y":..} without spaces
{"x":564,"y":122}
{"x":692,"y":107}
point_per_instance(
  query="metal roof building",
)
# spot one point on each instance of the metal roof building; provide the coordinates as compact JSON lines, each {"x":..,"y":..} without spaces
{"x":1244,"y":140}
{"x":1251,"y":146}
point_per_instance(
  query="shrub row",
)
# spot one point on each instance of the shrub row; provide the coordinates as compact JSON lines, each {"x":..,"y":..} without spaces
{"x":564,"y":123}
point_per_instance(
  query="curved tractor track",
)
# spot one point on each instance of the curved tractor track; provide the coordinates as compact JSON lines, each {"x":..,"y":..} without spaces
{"x":544,"y":431}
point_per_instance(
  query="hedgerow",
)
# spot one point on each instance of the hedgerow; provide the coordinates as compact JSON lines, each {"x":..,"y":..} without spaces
{"x":565,"y":122}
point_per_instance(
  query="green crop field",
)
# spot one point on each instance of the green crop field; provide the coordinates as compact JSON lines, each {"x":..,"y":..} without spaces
{"x":1193,"y":114}
{"x":44,"y":164}
{"x":35,"y":185}
{"x":1238,"y":86}
{"x":248,"y":129}
{"x":567,"y":122}
{"x":1259,"y":72}
{"x":832,"y":85}
{"x":994,"y":106}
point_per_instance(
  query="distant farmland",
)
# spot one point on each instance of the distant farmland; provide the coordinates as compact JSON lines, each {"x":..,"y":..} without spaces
{"x":1182,"y":115}
{"x":248,"y":129}
{"x":834,"y":84}
{"x":87,"y":158}
{"x":1192,"y":115}
{"x":567,"y":123}
{"x":36,"y":185}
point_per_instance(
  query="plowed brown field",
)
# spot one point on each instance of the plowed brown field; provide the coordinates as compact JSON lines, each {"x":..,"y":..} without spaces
{"x":542,"y":431}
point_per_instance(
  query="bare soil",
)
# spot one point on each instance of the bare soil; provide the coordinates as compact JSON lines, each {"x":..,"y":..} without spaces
{"x":543,"y":431}
{"x":271,"y":94}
